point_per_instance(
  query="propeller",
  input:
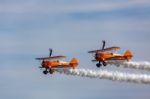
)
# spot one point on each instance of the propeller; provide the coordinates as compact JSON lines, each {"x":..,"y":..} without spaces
{"x":103,"y":44}
{"x":50,"y":52}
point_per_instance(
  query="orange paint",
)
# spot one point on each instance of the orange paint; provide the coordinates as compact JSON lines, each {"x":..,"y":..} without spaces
{"x":105,"y":54}
{"x":111,"y":56}
{"x":53,"y":62}
{"x":59,"y":64}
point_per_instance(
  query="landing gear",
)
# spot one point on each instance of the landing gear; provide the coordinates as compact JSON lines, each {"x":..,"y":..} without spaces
{"x":98,"y":65}
{"x":104,"y":63}
{"x":51,"y":71}
{"x":45,"y":72}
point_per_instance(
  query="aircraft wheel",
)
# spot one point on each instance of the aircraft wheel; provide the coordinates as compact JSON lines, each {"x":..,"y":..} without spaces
{"x":104,"y":63}
{"x":51,"y":71}
{"x":98,"y":65}
{"x":45,"y":72}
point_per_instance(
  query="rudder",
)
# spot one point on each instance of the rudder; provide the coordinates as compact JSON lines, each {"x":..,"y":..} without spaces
{"x":74,"y":62}
{"x":128,"y":55}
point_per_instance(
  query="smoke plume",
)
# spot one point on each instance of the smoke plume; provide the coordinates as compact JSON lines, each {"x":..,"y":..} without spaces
{"x":133,"y":65}
{"x":110,"y":75}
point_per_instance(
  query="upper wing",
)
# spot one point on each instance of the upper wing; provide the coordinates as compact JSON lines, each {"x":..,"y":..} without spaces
{"x":111,"y":49}
{"x":53,"y":57}
{"x":106,"y":49}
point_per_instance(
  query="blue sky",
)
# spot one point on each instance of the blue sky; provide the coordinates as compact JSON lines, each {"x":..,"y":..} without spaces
{"x":71,"y":27}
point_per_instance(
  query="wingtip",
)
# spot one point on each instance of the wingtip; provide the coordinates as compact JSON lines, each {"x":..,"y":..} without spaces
{"x":89,"y":51}
{"x":37,"y":59}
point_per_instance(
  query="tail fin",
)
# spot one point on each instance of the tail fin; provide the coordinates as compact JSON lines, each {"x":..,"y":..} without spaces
{"x":128,"y":55}
{"x":74,"y":62}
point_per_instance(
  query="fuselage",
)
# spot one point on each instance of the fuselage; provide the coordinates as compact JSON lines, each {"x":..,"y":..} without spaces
{"x":57,"y":64}
{"x":108,"y":56}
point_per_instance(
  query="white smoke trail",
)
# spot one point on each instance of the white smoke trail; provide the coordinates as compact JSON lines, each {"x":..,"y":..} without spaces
{"x":110,"y":75}
{"x":133,"y":65}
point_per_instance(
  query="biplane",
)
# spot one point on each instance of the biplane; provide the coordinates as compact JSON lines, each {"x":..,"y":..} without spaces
{"x":104,"y":55}
{"x":53,"y":62}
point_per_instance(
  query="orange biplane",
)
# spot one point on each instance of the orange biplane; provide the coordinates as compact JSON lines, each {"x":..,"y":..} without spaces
{"x":53,"y":62}
{"x":104,"y":55}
